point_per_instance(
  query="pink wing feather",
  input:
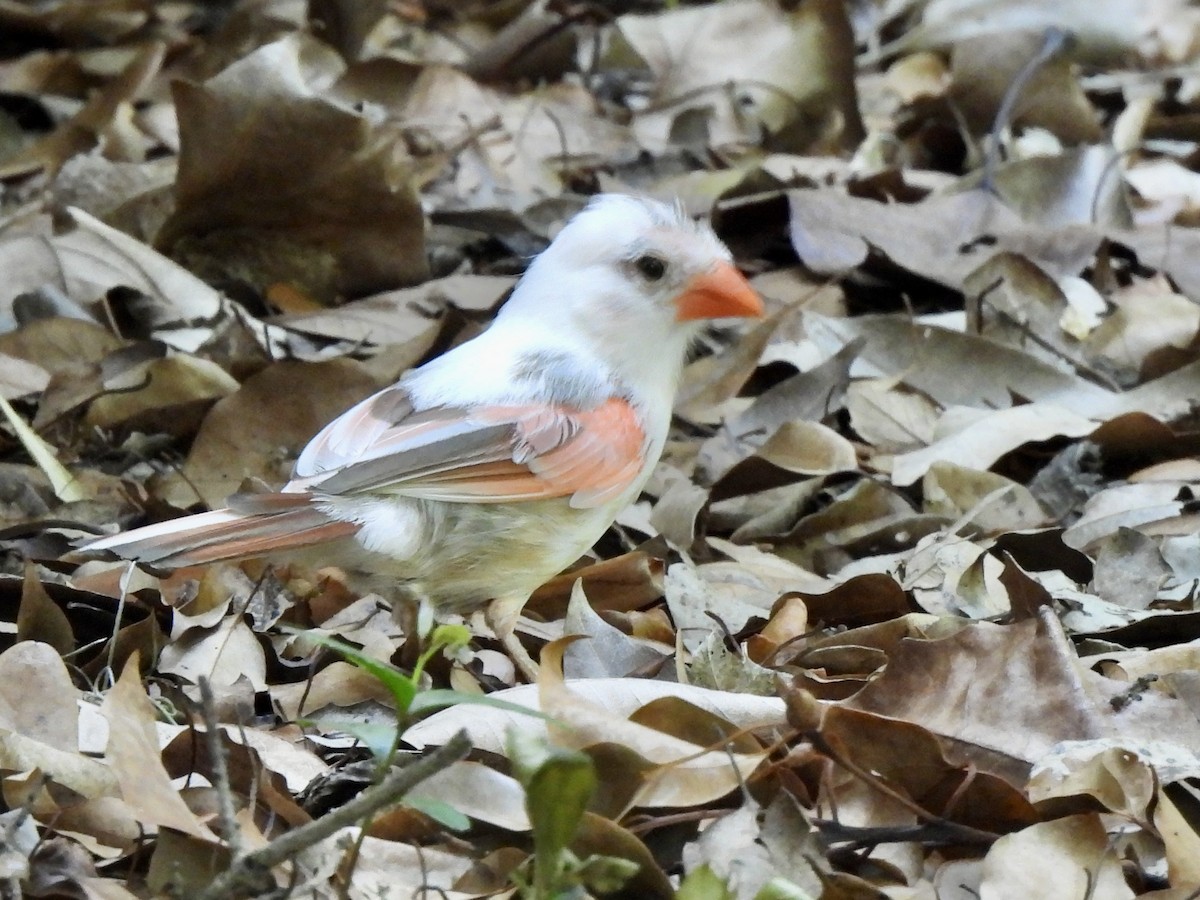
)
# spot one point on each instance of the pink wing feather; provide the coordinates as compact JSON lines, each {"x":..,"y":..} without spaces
{"x":483,"y":454}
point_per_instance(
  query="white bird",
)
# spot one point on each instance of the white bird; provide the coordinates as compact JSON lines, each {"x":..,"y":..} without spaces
{"x":488,"y":470}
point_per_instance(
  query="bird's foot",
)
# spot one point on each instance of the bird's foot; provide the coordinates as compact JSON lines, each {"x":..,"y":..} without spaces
{"x":501,"y":616}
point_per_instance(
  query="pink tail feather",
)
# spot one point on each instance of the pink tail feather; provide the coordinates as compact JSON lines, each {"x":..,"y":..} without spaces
{"x":260,"y":524}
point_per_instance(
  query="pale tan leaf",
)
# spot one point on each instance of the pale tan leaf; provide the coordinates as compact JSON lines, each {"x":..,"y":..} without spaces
{"x":1180,"y":837}
{"x":84,"y":776}
{"x":481,"y":793}
{"x":977,"y":439}
{"x":1068,"y":857}
{"x":134,"y":756}
{"x":222,"y":654}
{"x":37,"y":698}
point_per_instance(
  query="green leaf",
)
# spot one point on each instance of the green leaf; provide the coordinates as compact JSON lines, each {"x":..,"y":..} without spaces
{"x":703,"y":884}
{"x":378,"y":739}
{"x":442,"y":813}
{"x":606,"y":874}
{"x":443,"y":637}
{"x":782,"y":889}
{"x":403,"y":688}
{"x":439,"y":698}
{"x":558,"y":784}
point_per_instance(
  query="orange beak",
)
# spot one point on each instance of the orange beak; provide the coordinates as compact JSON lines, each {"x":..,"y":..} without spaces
{"x":720,"y":293}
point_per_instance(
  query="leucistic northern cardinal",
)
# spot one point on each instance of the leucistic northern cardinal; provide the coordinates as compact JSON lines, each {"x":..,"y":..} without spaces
{"x":484,"y":472}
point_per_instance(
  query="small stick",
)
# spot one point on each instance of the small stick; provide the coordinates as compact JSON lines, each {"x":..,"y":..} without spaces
{"x":250,"y":868}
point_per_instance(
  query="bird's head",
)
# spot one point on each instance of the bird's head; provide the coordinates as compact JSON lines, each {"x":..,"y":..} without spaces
{"x":635,"y":276}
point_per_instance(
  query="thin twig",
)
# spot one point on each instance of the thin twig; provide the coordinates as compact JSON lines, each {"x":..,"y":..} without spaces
{"x":926,"y":833}
{"x":248,"y":869}
{"x":1054,"y":42}
{"x":963,"y":833}
{"x":220,"y":770}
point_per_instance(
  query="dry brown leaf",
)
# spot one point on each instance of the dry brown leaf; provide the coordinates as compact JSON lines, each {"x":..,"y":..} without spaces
{"x":509,"y":152}
{"x":1178,"y":830}
{"x":986,"y":500}
{"x":1011,"y":689}
{"x":954,"y":368}
{"x":61,"y":345}
{"x":382,"y":867}
{"x":888,"y":416}
{"x":338,"y":684}
{"x":480,"y":792}
{"x":749,"y":846}
{"x":618,"y":698}
{"x":1078,"y":187}
{"x":1152,"y":330}
{"x":911,"y":759}
{"x":20,"y":378}
{"x":227,"y":450}
{"x":1127,"y":506}
{"x":937,"y":238}
{"x":223,"y":655}
{"x":1124,"y":779}
{"x":412,"y":315}
{"x":105,"y":826}
{"x":136,"y":760}
{"x":951,"y":576}
{"x":174,"y":392}
{"x":984,"y":68}
{"x":169,"y":302}
{"x":620,"y":584}
{"x":733,"y":594}
{"x":1104,"y":28}
{"x":74,"y":771}
{"x":683,"y":771}
{"x":82,"y":131}
{"x":1130,"y":570}
{"x":41,"y":619}
{"x":274,"y":180}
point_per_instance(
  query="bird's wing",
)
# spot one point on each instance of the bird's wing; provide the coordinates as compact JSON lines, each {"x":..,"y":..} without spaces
{"x":477,"y":454}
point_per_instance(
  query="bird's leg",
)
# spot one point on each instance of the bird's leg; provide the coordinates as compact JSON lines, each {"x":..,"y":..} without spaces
{"x":501,"y":616}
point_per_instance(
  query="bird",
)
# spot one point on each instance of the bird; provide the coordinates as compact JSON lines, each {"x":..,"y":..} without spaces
{"x":489,"y":469}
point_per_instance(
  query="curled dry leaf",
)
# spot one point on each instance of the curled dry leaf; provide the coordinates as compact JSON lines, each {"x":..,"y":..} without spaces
{"x":614,"y":698}
{"x":607,"y":652}
{"x":222,"y":654}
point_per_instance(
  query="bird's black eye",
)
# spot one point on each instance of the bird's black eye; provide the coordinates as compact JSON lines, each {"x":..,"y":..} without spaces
{"x":652,"y":267}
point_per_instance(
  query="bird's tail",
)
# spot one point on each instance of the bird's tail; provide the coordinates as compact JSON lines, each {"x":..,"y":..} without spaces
{"x":253,"y":525}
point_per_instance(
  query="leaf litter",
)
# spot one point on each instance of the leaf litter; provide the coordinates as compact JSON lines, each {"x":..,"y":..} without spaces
{"x":910,"y":608}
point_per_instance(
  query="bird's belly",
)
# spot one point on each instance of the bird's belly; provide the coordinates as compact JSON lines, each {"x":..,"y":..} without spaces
{"x":460,"y":555}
